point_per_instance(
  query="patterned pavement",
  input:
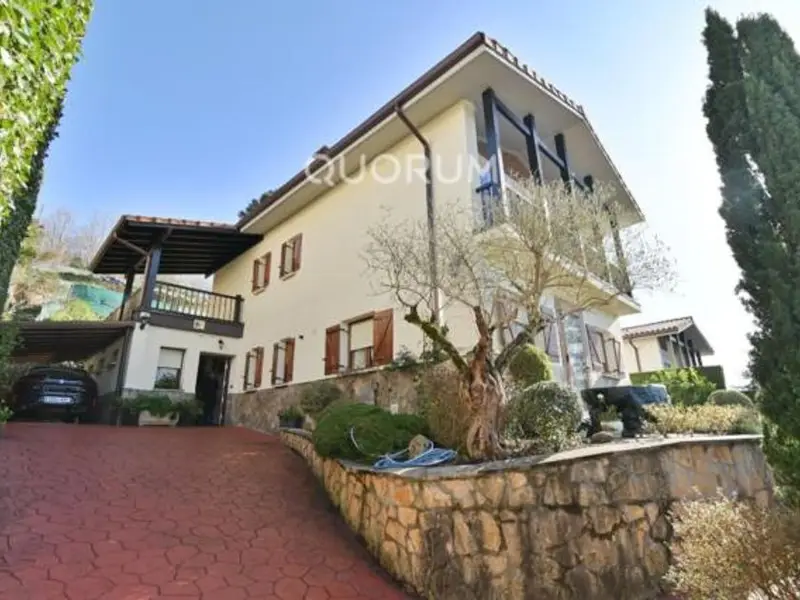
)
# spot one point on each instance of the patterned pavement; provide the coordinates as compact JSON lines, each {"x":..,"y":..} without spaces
{"x":93,"y":512}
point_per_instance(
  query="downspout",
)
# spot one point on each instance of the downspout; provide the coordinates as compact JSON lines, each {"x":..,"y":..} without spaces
{"x":636,"y":354}
{"x":431,"y":214}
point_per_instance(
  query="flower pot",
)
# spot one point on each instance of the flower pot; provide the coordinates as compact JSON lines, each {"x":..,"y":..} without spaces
{"x":147,"y":419}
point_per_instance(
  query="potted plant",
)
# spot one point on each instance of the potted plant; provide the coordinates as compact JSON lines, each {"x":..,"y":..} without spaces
{"x":5,"y":415}
{"x":156,"y":409}
{"x":291,"y":417}
{"x":189,"y":410}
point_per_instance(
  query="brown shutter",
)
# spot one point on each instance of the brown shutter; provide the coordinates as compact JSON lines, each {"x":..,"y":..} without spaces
{"x":257,"y":376}
{"x":246,"y":369}
{"x":297,"y":251}
{"x":383,"y":337}
{"x":274,"y":377}
{"x":281,"y":269}
{"x":267,"y":260}
{"x":332,"y":349}
{"x":255,"y":283}
{"x":288,"y":366}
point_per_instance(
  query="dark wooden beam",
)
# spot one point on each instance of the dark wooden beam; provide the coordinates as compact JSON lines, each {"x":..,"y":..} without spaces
{"x":561,"y":152}
{"x":532,"y":143}
{"x":493,"y":139}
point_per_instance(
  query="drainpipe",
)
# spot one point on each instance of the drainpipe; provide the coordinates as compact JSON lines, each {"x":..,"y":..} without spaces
{"x":432,"y":253}
{"x":636,"y":354}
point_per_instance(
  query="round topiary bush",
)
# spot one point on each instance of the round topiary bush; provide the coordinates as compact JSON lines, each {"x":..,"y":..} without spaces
{"x":546,"y":411}
{"x":376,"y":431}
{"x":730,"y":398}
{"x":530,"y":365}
{"x":318,"y":396}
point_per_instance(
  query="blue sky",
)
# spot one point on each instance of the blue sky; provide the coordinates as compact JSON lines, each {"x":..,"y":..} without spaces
{"x":189,"y":108}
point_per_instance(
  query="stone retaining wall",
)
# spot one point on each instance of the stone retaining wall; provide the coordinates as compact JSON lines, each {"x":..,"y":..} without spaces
{"x":258,"y":409}
{"x":589,"y":523}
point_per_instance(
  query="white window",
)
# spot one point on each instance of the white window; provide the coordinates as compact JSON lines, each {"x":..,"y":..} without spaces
{"x":280,"y":363}
{"x":168,"y":372}
{"x":360,"y":335}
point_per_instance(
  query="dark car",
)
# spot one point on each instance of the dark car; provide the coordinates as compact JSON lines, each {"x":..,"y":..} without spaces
{"x":55,"y":392}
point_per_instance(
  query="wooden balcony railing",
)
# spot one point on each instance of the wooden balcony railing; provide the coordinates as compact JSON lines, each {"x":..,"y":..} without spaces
{"x":192,"y":302}
{"x":174,"y":299}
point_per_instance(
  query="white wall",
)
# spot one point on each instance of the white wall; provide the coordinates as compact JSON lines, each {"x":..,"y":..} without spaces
{"x":107,"y":376}
{"x":144,"y":351}
{"x":332,"y":284}
{"x":649,"y":354}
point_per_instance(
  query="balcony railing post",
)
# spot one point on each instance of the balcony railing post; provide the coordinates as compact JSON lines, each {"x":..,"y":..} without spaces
{"x":237,"y":310}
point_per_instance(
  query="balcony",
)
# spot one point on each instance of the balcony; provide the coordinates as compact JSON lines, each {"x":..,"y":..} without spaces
{"x":596,"y":257}
{"x":181,"y":307}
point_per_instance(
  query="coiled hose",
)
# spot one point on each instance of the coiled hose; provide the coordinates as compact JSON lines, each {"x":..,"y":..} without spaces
{"x":430,"y":457}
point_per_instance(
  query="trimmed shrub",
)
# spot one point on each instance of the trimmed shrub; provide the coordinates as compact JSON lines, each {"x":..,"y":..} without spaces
{"x":686,"y":387}
{"x":376,"y":432}
{"x":530,"y":365}
{"x":706,"y":418}
{"x":318,"y":396}
{"x":441,"y":405}
{"x":757,"y":550}
{"x":546,"y":411}
{"x":729,"y":398}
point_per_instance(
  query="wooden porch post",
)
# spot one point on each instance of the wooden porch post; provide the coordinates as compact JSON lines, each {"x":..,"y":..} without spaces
{"x":495,"y":153}
{"x":150,"y":274}
{"x":126,"y":294}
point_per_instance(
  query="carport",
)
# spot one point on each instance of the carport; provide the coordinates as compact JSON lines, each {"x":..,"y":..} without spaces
{"x":47,"y":342}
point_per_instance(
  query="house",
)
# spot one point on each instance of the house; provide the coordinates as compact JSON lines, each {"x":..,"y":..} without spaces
{"x":666,"y":344}
{"x":291,"y":301}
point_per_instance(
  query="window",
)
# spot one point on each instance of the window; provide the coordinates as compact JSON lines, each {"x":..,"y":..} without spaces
{"x":604,"y":351}
{"x":290,"y":255}
{"x":283,"y":361}
{"x":360,"y":343}
{"x":663,"y":347}
{"x":261,"y":269}
{"x":168,"y":372}
{"x":547,"y":339}
{"x":253,"y":368}
{"x":360,"y":338}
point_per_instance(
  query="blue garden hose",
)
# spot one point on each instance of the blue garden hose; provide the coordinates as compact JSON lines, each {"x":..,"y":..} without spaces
{"x":430,"y":457}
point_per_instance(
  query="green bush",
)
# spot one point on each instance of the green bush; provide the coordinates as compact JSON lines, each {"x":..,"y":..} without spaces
{"x":705,"y":418}
{"x":686,"y":387}
{"x":291,"y":413}
{"x":545,"y":411}
{"x":158,"y":405}
{"x":376,"y":431}
{"x":318,"y":396}
{"x":730,"y":398}
{"x":442,"y":406}
{"x":530,"y":365}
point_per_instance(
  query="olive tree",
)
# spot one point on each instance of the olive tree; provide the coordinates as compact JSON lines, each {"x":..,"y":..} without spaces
{"x":547,"y":241}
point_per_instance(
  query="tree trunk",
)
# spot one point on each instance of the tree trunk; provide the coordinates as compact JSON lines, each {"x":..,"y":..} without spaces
{"x":486,"y":397}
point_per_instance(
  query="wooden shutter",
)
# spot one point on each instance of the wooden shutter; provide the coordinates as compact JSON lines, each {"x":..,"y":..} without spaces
{"x":281,"y":266}
{"x":247,"y":369}
{"x":332,"y":335}
{"x":383,"y":337}
{"x":275,"y":350}
{"x":259,"y":368}
{"x":288,"y":365}
{"x":256,"y":275}
{"x":267,"y":262}
{"x":297,"y":251}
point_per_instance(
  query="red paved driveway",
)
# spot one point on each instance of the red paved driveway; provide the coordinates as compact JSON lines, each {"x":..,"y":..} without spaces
{"x":132,"y":514}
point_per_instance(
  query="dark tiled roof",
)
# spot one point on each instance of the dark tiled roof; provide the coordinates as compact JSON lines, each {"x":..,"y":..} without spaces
{"x":667,"y":327}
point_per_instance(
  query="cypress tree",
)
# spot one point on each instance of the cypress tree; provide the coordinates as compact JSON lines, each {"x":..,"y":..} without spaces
{"x":753,"y":111}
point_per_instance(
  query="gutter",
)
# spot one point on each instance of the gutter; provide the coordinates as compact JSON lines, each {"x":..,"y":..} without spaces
{"x":430,"y":210}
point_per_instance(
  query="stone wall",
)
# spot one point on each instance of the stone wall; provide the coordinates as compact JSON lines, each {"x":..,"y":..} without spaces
{"x":392,"y":390}
{"x":589,"y":523}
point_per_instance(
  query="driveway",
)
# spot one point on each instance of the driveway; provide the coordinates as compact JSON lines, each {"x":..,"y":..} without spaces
{"x":132,"y":514}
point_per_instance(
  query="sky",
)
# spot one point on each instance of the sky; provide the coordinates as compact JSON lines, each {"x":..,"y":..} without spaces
{"x":190,"y":108}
